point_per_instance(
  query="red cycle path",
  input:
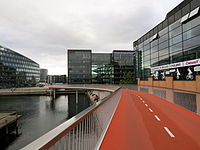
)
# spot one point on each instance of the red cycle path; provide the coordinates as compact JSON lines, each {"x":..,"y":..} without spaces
{"x":147,"y":122}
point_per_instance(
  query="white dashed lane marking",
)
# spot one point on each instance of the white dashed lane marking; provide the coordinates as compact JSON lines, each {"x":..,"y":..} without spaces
{"x":157,"y":117}
{"x":150,"y":110}
{"x":169,"y":132}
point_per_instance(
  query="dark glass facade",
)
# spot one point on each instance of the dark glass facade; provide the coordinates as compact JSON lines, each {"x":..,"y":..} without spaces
{"x":175,"y":40}
{"x":17,"y":70}
{"x":56,"y":79}
{"x":43,"y":75}
{"x":123,"y":62}
{"x":101,"y":68}
{"x":79,"y":66}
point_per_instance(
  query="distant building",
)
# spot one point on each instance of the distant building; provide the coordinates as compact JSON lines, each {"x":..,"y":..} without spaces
{"x":99,"y":68}
{"x":43,"y":75}
{"x":56,"y":79}
{"x":102,"y":68}
{"x":17,"y":70}
{"x":79,"y":66}
{"x":123,"y":62}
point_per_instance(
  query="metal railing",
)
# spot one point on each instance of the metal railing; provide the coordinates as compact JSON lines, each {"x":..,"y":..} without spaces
{"x":84,"y":131}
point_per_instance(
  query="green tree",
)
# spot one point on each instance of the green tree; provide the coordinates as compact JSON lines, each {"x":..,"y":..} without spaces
{"x":127,"y":78}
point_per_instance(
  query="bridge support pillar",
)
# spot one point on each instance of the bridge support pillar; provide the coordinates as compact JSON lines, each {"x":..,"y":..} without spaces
{"x":54,"y":94}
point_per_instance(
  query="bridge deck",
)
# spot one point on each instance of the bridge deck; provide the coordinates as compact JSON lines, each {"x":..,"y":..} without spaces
{"x":143,"y":121}
{"x":87,"y":87}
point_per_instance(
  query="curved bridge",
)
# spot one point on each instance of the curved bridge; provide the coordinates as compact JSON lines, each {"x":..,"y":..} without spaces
{"x":82,"y":88}
{"x":54,"y":89}
{"x":127,"y":119}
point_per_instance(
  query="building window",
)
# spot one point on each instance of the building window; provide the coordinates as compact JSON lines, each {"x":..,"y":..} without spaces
{"x":176,"y":48}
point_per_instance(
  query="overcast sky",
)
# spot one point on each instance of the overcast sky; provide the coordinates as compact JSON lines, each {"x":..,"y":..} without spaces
{"x":44,"y":29}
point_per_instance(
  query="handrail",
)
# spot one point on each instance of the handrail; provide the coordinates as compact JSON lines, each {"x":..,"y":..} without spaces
{"x":83,"y":131}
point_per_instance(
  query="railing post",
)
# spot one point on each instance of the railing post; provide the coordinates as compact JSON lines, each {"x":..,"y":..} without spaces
{"x":50,"y":92}
{"x":76,"y":96}
{"x":76,"y":101}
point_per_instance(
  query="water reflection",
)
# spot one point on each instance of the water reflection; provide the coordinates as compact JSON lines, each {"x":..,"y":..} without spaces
{"x":82,"y":104}
{"x":40,"y":114}
{"x":188,"y":100}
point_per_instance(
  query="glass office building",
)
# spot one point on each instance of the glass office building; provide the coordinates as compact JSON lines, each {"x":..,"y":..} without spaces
{"x":102,"y":68}
{"x":79,"y":66}
{"x":17,"y":70}
{"x":51,"y":79}
{"x":123,"y":62}
{"x":43,"y":75}
{"x":99,"y":68}
{"x":172,"y":48}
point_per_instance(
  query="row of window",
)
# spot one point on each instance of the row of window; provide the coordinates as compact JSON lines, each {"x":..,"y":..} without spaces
{"x":174,"y":48}
{"x":28,"y":63}
{"x":171,"y":18}
{"x":78,"y":62}
{"x":80,"y":76}
{"x":20,"y":65}
{"x":177,"y":29}
{"x":14,"y":57}
{"x":191,"y":39}
{"x":13,"y":74}
{"x":172,"y":58}
{"x":80,"y":56}
{"x":28,"y":71}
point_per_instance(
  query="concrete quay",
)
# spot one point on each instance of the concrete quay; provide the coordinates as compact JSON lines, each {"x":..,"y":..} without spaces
{"x":25,"y":91}
{"x":6,"y":118}
{"x":8,"y":127}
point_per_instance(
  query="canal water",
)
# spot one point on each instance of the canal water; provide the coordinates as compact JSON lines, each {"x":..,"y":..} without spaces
{"x":40,"y":114}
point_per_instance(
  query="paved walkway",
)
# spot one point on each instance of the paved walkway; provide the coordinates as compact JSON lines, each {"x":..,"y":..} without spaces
{"x":147,"y":122}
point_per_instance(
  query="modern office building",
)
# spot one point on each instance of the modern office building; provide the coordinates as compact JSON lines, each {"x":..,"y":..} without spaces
{"x":102,"y":68}
{"x":79,"y":66}
{"x":17,"y":70}
{"x":51,"y":79}
{"x":99,"y":68}
{"x":43,"y":75}
{"x":172,"y":48}
{"x":123,"y":62}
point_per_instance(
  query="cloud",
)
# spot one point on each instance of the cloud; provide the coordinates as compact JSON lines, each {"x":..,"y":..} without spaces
{"x":43,"y":30}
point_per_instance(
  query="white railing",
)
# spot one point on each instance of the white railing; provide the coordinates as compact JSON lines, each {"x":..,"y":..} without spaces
{"x":84,"y":131}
